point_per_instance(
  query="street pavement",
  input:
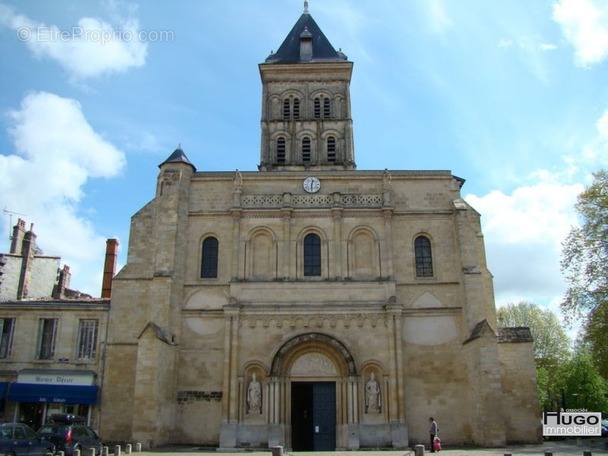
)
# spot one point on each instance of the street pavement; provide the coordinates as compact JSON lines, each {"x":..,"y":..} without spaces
{"x":556,"y":448}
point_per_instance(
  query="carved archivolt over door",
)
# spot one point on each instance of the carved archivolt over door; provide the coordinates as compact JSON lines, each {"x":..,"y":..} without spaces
{"x":313,"y":357}
{"x":328,"y":346}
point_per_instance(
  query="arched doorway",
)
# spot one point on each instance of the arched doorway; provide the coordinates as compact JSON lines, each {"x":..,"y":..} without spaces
{"x":314,"y":392}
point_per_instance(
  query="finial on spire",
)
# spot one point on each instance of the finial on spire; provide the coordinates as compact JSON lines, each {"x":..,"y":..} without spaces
{"x":305,"y":6}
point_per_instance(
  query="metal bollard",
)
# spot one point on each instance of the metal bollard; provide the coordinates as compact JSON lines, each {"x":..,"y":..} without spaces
{"x":277,"y":450}
{"x":138,"y":447}
{"x":76,"y":452}
{"x":419,"y":450}
{"x":548,"y":453}
{"x":128,"y":448}
{"x":587,"y":453}
{"x":105,"y":451}
{"x":117,"y":450}
{"x":60,"y":453}
{"x":91,"y":451}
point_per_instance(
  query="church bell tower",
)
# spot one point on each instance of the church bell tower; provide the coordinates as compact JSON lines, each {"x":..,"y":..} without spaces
{"x":306,"y":116}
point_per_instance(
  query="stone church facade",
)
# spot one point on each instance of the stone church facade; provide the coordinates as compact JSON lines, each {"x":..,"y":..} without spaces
{"x":310,"y":304}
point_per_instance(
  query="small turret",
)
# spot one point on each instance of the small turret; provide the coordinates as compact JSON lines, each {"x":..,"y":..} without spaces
{"x":172,"y":171}
{"x":178,"y":156}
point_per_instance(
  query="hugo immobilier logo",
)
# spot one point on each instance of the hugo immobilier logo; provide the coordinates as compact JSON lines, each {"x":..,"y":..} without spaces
{"x":572,"y":423}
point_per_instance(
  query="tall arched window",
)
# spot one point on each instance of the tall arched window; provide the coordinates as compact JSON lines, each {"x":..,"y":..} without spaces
{"x":312,"y":255}
{"x":331,"y":149}
{"x":286,"y":108}
{"x":306,"y":149}
{"x":209,"y":258}
{"x":280,"y":149}
{"x":424,"y":257}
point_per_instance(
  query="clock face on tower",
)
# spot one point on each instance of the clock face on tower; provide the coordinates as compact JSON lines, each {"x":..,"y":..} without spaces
{"x":311,"y":184}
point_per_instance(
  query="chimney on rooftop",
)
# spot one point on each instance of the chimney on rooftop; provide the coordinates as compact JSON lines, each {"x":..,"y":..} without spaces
{"x":109,"y":268}
{"x":27,"y":252}
{"x":17,"y":237}
{"x":63,"y":282}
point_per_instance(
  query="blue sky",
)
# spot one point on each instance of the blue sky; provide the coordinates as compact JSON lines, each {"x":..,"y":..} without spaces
{"x":511,"y":96}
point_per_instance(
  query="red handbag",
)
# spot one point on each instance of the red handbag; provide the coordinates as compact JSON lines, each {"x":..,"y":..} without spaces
{"x":437,"y":444}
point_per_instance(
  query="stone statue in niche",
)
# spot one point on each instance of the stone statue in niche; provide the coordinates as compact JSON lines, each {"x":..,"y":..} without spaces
{"x":372,"y":396}
{"x":254,"y":395}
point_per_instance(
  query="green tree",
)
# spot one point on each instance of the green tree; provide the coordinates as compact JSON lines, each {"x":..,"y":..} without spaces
{"x":551,"y":348}
{"x":551,"y":342}
{"x":585,"y":251}
{"x":583,"y":386}
{"x":594,"y":334}
{"x":585,"y":266}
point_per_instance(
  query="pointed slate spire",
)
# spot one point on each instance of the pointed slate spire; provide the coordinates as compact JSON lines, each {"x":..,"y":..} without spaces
{"x":178,"y":156}
{"x":306,"y":35}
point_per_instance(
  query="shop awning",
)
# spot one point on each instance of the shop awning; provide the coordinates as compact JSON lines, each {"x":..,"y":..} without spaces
{"x":54,"y":394}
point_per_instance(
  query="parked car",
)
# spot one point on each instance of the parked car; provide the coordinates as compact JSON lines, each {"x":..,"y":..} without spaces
{"x":18,"y":439}
{"x":69,"y":432}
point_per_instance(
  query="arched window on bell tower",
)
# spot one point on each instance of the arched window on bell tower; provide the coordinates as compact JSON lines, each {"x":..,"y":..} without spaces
{"x":331,"y":149}
{"x":291,"y":108}
{"x":326,"y":108}
{"x":322,"y":107}
{"x":306,"y":150}
{"x":280,"y":152}
{"x":296,"y":108}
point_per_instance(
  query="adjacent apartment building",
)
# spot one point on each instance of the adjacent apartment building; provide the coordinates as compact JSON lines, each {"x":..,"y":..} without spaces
{"x":51,"y":337}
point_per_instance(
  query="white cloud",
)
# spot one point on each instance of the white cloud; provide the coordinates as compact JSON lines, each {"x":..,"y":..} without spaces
{"x":593,"y":156}
{"x":88,"y":49}
{"x":523,"y":234}
{"x":584,"y":23}
{"x":440,"y":19}
{"x":57,"y":152}
{"x":602,"y":128}
{"x":547,"y":47}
